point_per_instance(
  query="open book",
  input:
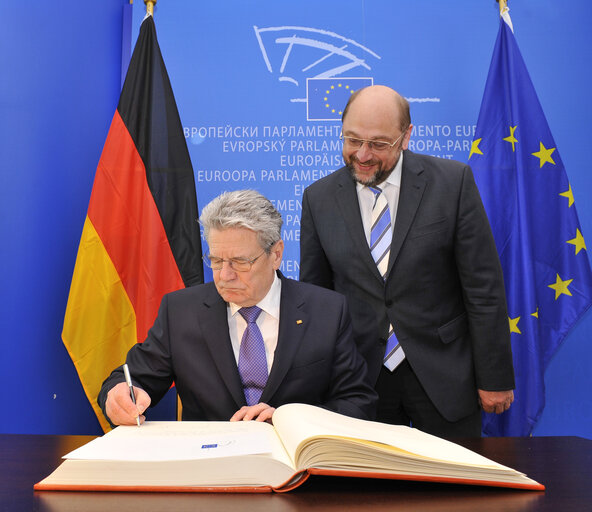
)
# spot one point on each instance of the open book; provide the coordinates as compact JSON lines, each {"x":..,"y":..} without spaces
{"x":258,"y":457}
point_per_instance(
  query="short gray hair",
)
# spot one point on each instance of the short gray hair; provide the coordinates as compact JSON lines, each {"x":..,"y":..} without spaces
{"x":243,"y":209}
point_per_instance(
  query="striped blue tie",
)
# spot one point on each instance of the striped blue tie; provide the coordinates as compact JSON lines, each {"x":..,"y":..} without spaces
{"x":252,"y":363}
{"x":381,"y":236}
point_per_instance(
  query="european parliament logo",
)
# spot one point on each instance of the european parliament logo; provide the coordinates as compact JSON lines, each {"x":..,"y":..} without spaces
{"x":326,"y":97}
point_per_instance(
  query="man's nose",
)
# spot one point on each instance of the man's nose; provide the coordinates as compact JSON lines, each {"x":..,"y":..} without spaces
{"x":227,"y":273}
{"x":364,"y":153}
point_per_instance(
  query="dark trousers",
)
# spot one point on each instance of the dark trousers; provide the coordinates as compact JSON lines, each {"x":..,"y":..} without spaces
{"x":403,"y":401}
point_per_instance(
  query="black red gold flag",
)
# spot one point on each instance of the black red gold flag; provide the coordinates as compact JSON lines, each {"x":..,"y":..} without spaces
{"x":141,"y":237}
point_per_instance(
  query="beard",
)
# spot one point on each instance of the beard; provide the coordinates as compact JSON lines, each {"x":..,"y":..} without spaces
{"x":377,"y":178}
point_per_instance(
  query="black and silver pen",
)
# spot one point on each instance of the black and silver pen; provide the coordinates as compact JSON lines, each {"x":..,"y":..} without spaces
{"x":128,"y":380}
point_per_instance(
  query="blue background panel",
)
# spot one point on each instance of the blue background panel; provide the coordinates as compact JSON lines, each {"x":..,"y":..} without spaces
{"x":239,"y":71}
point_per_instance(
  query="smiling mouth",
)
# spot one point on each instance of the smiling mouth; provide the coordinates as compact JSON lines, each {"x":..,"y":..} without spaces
{"x":370,"y":163}
{"x":365,"y":167}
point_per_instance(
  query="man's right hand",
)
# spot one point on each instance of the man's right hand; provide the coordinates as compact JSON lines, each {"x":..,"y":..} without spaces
{"x":120,"y":408}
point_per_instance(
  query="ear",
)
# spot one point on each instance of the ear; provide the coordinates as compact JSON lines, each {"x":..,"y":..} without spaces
{"x":277,"y":252}
{"x":407,"y":136}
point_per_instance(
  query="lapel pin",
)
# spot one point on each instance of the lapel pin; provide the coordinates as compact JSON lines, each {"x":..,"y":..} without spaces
{"x":298,"y":322}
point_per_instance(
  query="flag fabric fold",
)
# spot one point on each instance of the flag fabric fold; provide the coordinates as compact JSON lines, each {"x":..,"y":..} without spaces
{"x":141,"y":237}
{"x":529,"y":201}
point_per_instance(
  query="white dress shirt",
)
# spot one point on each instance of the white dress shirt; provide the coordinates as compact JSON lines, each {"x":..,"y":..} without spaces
{"x":390,"y":188}
{"x":268,"y":322}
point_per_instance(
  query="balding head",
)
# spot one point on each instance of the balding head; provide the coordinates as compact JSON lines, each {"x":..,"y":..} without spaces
{"x":382,"y":100}
{"x":375,"y":114}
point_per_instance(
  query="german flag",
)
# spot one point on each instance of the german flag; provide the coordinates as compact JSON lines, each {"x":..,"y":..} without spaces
{"x":141,"y":237}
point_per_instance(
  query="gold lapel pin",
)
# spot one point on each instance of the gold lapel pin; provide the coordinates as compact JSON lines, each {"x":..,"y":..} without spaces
{"x":298,"y":322}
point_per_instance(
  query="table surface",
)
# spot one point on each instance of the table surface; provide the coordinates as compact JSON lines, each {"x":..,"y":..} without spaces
{"x":562,"y":464}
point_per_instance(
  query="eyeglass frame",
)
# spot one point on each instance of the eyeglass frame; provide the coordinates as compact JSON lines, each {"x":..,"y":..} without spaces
{"x":231,"y":261}
{"x":370,"y":143}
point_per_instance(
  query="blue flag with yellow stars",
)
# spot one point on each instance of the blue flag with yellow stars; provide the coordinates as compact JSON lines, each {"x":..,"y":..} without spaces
{"x":326,"y":97}
{"x":530,"y":205}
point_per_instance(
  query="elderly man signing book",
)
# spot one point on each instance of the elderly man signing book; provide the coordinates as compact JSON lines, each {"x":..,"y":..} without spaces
{"x":250,"y":341}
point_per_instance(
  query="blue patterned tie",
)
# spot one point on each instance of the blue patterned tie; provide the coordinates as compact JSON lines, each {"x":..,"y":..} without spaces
{"x":252,"y":363}
{"x":381,"y":236}
{"x":381,"y":233}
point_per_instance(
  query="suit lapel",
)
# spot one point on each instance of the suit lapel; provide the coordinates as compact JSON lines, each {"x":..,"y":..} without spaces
{"x":349,"y":206}
{"x":293,"y":320}
{"x":412,"y":188}
{"x":213,"y":322}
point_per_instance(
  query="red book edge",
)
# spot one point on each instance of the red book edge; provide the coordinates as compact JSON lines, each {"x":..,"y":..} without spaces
{"x":297,"y":480}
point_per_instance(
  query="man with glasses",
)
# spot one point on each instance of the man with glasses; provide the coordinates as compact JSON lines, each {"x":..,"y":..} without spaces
{"x":248,"y":342}
{"x":405,"y":237}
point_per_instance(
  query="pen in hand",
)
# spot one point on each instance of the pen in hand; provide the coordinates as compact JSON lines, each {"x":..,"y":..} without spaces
{"x":128,"y":380}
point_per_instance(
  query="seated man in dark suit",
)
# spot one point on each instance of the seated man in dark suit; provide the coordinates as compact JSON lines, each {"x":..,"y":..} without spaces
{"x":228,"y":365}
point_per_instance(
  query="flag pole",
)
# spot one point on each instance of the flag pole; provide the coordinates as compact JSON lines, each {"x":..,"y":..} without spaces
{"x":150,"y":7}
{"x":505,"y":13}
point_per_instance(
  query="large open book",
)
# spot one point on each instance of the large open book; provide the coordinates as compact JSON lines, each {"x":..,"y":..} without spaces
{"x":258,"y":457}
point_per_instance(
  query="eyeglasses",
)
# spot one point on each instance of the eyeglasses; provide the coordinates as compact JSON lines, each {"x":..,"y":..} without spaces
{"x":236,"y":264}
{"x":373,"y":145}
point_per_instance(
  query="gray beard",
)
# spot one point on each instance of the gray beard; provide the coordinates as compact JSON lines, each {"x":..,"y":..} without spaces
{"x":379,"y":176}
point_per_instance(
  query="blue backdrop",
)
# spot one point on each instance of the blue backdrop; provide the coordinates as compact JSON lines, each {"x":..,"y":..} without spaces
{"x":251,"y":84}
{"x":247,"y":76}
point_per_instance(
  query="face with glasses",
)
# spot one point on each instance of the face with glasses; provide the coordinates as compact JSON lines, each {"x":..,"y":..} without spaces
{"x":372,"y":136}
{"x":243,"y":271}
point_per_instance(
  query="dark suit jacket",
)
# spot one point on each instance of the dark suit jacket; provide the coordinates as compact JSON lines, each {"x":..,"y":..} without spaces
{"x":315,"y":362}
{"x":444,"y":291}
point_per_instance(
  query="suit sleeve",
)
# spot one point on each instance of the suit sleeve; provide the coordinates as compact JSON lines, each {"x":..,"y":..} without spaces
{"x":149,"y":363}
{"x":482,"y":282}
{"x":314,"y":265}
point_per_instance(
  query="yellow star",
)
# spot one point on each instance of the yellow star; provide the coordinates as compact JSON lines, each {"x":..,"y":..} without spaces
{"x":544,"y":155}
{"x":578,"y":241}
{"x":536,"y":313}
{"x":569,"y":194}
{"x":510,"y":138}
{"x":475,"y":148}
{"x":514,"y":325}
{"x":560,"y":287}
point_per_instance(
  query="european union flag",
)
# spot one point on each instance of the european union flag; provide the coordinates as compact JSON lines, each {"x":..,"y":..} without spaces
{"x":326,"y":97}
{"x":530,"y":205}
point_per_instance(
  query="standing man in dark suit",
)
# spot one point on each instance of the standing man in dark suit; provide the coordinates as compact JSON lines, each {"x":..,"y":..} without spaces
{"x":248,"y":342}
{"x":406,"y":239}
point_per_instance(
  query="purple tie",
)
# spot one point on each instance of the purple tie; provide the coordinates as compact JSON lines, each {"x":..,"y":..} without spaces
{"x":252,"y":364}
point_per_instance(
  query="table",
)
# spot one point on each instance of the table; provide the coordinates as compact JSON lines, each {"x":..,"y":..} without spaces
{"x":562,"y":464}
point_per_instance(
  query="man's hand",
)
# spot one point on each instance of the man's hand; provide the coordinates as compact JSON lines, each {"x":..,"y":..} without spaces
{"x":120,"y":408}
{"x":496,"y":401}
{"x":259,"y":412}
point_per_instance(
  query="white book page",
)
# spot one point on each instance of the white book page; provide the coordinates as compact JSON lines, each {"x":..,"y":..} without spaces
{"x":183,"y":440}
{"x":298,"y":422}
